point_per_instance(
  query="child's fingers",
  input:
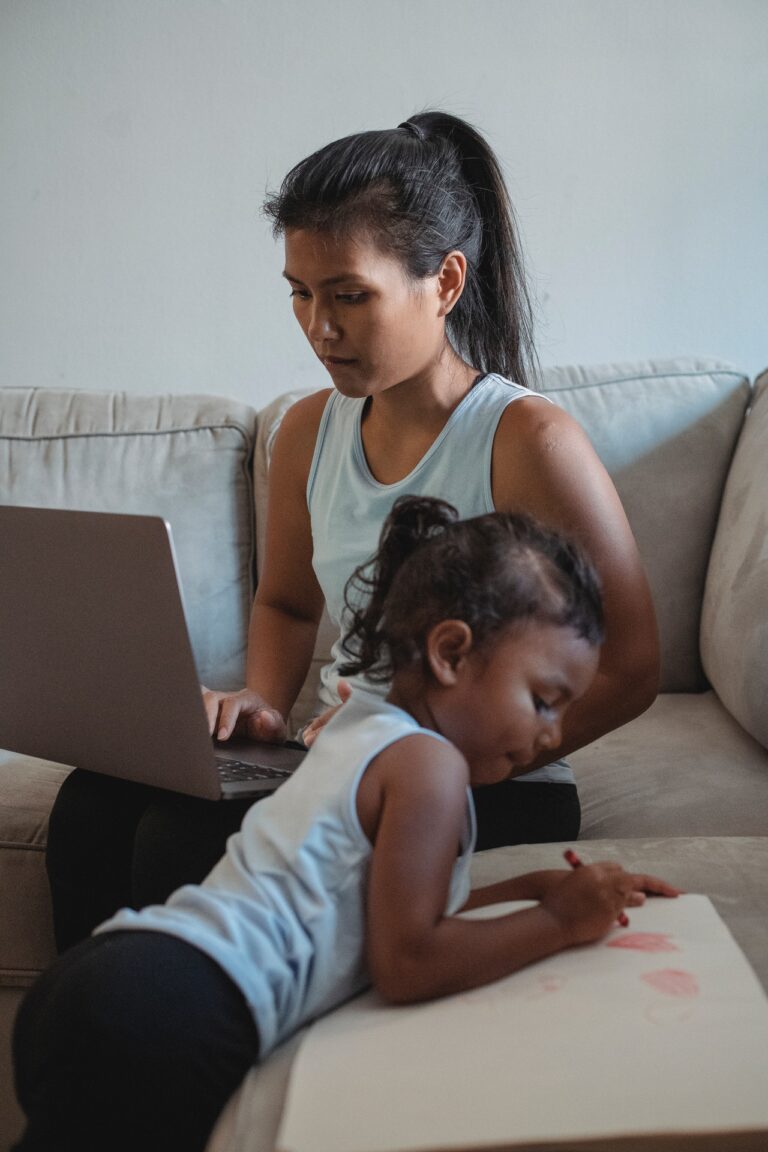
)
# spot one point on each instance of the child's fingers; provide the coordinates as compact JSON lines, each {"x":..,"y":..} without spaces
{"x":653,"y":885}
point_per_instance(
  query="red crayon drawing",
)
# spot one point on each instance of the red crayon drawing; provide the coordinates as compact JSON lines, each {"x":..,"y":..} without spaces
{"x":644,"y":942}
{"x":673,"y":982}
{"x":544,"y":985}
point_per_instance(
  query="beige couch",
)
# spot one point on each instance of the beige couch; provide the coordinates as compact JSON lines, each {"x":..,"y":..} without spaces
{"x":683,"y":789}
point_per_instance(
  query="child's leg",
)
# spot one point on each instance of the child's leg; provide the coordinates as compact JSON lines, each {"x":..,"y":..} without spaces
{"x":132,"y":1040}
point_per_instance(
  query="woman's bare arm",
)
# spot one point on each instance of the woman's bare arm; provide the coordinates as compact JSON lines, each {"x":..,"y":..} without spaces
{"x":545,"y":465}
{"x":288,"y":602}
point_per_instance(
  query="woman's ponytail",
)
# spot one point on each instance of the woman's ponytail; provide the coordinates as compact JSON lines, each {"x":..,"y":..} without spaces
{"x":492,"y":323}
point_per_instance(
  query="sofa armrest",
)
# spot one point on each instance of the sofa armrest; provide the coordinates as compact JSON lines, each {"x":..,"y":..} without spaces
{"x":734,"y":622}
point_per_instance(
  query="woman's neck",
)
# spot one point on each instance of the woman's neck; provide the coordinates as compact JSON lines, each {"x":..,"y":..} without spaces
{"x":426,"y":400}
{"x":400,"y":424}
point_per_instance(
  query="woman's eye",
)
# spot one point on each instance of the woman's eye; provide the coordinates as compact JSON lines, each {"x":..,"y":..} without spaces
{"x":351,"y":297}
{"x":299,"y":294}
{"x":542,"y":706}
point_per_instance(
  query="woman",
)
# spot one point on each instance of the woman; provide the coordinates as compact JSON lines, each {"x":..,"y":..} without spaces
{"x":406,"y":277}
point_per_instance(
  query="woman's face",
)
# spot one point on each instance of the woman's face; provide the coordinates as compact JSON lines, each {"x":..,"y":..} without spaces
{"x":366,"y":321}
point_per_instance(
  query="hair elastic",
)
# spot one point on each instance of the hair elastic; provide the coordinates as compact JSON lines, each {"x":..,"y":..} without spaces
{"x":414,"y":130}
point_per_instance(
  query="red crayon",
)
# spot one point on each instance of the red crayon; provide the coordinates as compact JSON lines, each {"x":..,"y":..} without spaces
{"x":575,"y":862}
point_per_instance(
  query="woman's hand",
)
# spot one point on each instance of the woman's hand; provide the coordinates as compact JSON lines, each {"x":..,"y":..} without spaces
{"x":245,"y":713}
{"x":315,"y":727}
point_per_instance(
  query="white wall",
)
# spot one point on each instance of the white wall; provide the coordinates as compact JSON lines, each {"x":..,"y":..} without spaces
{"x":137,"y":138}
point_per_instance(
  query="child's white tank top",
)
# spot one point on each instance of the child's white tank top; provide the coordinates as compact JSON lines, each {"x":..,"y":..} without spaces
{"x":283,"y":912}
{"x":348,"y":506}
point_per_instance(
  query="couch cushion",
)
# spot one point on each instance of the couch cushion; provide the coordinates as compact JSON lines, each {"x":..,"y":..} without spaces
{"x":666,"y":432}
{"x":186,"y":458}
{"x":734,"y":626}
{"x":683,"y":768}
{"x":27,"y":791}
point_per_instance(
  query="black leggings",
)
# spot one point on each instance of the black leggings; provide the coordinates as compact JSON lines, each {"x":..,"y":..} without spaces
{"x":113,"y":844}
{"x":131,"y":1041}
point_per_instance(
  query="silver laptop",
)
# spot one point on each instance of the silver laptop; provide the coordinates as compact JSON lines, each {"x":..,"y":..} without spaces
{"x":96,"y":666}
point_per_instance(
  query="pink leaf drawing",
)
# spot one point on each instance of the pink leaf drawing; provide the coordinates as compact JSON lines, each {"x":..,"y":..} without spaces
{"x":673,"y":982}
{"x":644,"y":942}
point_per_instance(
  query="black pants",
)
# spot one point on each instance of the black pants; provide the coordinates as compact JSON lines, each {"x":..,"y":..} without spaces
{"x":131,"y":1041}
{"x":113,"y":844}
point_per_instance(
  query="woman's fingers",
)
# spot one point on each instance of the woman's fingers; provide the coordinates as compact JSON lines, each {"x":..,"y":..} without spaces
{"x":227,"y":711}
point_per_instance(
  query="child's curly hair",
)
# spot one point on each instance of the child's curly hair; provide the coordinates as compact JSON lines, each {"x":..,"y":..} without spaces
{"x":489,"y":571}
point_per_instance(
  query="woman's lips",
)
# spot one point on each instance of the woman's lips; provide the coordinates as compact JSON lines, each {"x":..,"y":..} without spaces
{"x":335,"y":361}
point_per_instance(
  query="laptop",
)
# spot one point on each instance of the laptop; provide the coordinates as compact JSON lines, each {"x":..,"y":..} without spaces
{"x":96,"y":665}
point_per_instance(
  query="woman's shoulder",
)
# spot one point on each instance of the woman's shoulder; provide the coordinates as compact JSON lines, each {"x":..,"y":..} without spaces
{"x":299,"y":426}
{"x":307,"y":412}
{"x":531,"y":420}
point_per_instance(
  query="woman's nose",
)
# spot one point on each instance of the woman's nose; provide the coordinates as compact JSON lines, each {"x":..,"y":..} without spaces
{"x":322,"y":325}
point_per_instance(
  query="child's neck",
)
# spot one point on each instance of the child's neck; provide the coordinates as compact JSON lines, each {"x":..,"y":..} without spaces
{"x":408,"y":691}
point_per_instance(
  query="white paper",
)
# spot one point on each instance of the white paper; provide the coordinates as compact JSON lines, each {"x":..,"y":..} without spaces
{"x":667,"y":1036}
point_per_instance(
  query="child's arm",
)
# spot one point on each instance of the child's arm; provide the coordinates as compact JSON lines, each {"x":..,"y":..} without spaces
{"x":414,"y":951}
{"x":536,"y":885}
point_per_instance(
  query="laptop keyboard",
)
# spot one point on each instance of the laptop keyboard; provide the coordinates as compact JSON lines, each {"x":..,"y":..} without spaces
{"x":231,"y":771}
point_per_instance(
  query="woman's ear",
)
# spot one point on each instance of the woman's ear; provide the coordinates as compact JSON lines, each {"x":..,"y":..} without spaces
{"x":448,"y":645}
{"x":451,"y":280}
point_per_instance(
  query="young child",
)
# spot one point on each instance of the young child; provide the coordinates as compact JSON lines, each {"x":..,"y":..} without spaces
{"x":488,"y":629}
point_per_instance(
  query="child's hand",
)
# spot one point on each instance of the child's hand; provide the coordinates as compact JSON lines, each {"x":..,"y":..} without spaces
{"x":587,"y":902}
{"x":312,"y":730}
{"x":650,"y":885}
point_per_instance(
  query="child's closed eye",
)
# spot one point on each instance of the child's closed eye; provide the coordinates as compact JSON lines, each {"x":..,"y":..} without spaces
{"x":543,"y":707}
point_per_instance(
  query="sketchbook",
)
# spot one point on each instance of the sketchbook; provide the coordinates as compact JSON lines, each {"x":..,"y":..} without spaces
{"x":655,"y":1037}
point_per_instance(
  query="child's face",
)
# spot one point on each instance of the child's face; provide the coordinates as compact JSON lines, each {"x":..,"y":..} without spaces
{"x":368,"y":324}
{"x":508,"y":702}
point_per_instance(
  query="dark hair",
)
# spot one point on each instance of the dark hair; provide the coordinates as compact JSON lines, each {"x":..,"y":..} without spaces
{"x":489,"y":571}
{"x":422,"y":190}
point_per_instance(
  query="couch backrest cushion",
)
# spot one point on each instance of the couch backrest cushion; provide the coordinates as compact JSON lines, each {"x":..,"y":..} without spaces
{"x":666,"y":431}
{"x":186,"y":458}
{"x":734,"y":625}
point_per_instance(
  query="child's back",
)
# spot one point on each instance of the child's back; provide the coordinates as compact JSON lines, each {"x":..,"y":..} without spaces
{"x":283,"y":913}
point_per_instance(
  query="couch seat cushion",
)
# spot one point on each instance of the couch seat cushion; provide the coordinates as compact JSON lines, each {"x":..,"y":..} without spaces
{"x":683,"y":768}
{"x":27,"y":790}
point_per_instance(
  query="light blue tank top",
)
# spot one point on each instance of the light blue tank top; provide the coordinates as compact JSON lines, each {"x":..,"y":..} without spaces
{"x":283,"y":912}
{"x":348,"y":506}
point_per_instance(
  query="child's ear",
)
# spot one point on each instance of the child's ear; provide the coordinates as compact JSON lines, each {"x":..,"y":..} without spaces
{"x":448,"y":644}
